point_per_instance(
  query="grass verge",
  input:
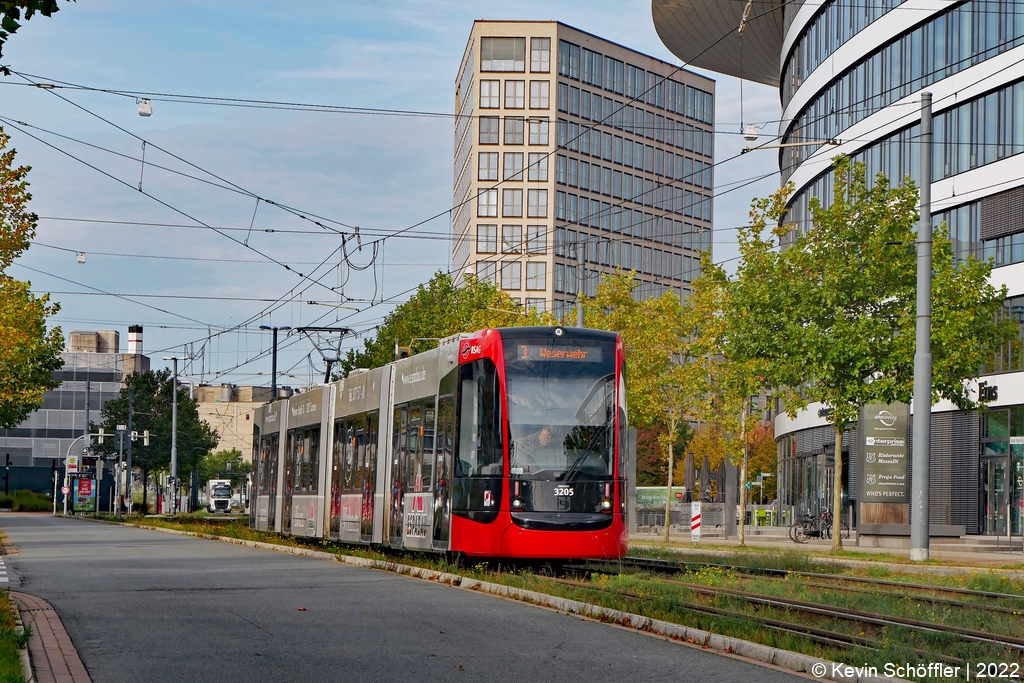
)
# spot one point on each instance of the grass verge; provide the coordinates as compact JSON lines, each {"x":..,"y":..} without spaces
{"x":11,"y":642}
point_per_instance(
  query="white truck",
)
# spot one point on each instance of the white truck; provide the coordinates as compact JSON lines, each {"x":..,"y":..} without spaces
{"x":218,"y":495}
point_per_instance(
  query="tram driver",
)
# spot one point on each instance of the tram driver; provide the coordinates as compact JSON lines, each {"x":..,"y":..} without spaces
{"x":539,"y":451}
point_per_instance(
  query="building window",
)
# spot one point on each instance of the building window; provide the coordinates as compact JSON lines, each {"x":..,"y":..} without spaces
{"x":538,"y":168}
{"x":488,"y":130}
{"x":503,"y":54}
{"x":537,"y":239}
{"x":513,"y":166}
{"x":511,"y":274}
{"x":536,"y":275}
{"x":487,"y":271}
{"x":511,"y":203}
{"x":511,"y":239}
{"x":540,"y":55}
{"x":536,"y":305}
{"x":537,"y":203}
{"x":487,"y":203}
{"x":538,"y":131}
{"x":515,"y":94}
{"x":490,"y":94}
{"x":486,"y":239}
{"x":539,"y":95}
{"x":487,"y":166}
{"x":514,"y":130}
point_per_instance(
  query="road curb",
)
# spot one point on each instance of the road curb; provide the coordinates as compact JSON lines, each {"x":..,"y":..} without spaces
{"x":772,"y":656}
{"x":51,"y":654}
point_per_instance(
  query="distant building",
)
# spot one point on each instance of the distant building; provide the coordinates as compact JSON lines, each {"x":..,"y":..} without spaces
{"x":94,"y":371}
{"x":229,"y":409}
{"x":567,"y":144}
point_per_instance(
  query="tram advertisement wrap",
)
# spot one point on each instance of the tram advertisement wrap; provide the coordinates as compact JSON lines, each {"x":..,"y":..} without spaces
{"x":884,"y":452}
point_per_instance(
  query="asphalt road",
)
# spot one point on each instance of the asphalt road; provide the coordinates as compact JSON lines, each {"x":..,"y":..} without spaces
{"x":148,"y":606}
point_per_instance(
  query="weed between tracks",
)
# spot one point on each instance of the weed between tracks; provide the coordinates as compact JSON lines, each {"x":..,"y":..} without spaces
{"x":657,"y":598}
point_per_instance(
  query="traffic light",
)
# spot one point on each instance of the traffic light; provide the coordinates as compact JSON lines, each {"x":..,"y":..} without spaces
{"x":402,"y":352}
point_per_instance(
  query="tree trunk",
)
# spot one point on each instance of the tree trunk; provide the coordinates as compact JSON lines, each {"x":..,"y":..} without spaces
{"x":743,"y":474}
{"x":668,"y":496}
{"x":837,"y":493}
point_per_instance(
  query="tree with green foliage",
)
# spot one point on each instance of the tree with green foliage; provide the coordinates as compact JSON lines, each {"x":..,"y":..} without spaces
{"x":14,"y":11}
{"x":665,"y":377}
{"x":29,"y":353}
{"x":152,"y":403}
{"x":224,"y":464}
{"x":833,"y":312}
{"x":437,"y":310}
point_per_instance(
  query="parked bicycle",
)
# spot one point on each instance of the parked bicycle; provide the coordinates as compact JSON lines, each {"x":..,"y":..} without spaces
{"x":810,"y":526}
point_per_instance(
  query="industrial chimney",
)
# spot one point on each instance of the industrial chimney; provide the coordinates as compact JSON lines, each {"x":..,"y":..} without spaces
{"x":135,"y":340}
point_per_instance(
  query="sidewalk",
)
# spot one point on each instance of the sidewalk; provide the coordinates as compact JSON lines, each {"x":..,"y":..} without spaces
{"x":54,"y":658}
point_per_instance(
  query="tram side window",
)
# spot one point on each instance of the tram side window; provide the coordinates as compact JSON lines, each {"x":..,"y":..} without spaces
{"x":420,"y":439}
{"x":480,"y":445}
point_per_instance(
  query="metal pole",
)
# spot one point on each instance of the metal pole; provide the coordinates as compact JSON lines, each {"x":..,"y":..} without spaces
{"x":273,"y":366}
{"x":128,"y":459}
{"x":581,"y":278}
{"x":120,"y":470}
{"x":174,"y":433}
{"x":923,"y":353}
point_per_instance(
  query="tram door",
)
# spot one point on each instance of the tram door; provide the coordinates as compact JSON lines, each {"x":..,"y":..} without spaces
{"x":337,"y":446}
{"x":271,"y":480}
{"x":396,"y":485}
{"x":293,"y":445}
{"x":369,"y":479}
{"x":443,"y":460}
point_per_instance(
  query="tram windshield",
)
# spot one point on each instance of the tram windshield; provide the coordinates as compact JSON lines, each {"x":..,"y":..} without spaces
{"x":561,"y":408}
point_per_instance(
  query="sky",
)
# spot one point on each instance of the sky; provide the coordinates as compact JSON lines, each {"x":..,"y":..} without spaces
{"x":203,"y":287}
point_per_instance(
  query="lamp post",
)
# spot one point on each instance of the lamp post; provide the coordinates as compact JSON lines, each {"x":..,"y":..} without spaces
{"x":273,"y":359}
{"x":174,"y":433}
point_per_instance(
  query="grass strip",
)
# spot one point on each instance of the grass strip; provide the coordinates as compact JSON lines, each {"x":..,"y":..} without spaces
{"x":11,"y":642}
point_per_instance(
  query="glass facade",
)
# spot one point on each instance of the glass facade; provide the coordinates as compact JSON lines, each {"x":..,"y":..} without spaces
{"x":944,"y":45}
{"x":615,"y":155}
{"x":1002,"y":470}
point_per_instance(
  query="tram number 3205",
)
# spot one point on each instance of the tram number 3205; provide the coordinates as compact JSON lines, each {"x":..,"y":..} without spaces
{"x":563,"y":490}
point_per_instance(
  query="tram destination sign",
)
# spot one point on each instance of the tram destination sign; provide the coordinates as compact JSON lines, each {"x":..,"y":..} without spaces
{"x":884,"y":453}
{"x":527,"y":353}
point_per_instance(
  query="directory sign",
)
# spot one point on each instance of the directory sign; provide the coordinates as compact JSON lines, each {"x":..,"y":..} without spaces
{"x":884,"y":453}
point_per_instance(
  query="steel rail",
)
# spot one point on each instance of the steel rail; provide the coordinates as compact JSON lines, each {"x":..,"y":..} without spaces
{"x":858,"y":615}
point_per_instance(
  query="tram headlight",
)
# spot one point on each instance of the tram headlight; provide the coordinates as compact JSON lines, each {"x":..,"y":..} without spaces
{"x":516,"y":503}
{"x":606,"y":505}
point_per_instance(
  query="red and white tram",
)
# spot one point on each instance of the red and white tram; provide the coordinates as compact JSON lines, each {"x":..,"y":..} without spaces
{"x":507,"y":443}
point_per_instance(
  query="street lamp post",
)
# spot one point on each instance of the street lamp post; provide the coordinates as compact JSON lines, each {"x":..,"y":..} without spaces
{"x":174,"y":434}
{"x":273,"y":359}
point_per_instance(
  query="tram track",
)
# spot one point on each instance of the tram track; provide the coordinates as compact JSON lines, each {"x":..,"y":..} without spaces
{"x":861,"y":586}
{"x":670,"y":566}
{"x":819,"y":635}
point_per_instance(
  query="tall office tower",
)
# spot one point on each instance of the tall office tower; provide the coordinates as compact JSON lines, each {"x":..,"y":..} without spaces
{"x":853,"y":72}
{"x":575,"y":156}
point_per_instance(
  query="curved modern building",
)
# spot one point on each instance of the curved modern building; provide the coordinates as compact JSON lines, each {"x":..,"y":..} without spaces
{"x":852,"y":71}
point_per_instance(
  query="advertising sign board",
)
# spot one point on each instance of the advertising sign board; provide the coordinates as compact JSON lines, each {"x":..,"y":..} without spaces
{"x":84,"y":499}
{"x":654,"y":497}
{"x":884,"y":453}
